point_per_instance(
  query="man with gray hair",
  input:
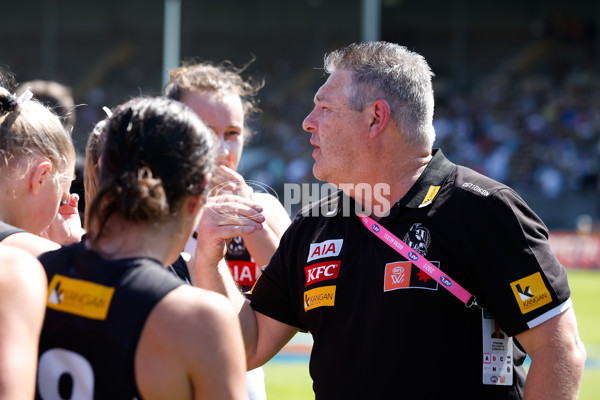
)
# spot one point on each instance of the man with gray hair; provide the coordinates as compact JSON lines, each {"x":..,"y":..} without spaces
{"x":403,"y":298}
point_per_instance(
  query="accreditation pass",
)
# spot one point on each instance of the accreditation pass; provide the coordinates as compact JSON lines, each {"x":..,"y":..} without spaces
{"x":498,"y":363}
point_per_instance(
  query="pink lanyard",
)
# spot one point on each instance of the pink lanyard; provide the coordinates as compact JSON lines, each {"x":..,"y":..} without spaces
{"x":421,"y":262}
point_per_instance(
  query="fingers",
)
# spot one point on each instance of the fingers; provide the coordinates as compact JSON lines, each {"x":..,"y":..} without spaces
{"x":73,"y":199}
{"x":233,"y":210}
{"x":70,"y":207}
{"x":233,"y":201}
{"x":225,"y":180}
{"x":228,"y":173}
{"x":224,"y":217}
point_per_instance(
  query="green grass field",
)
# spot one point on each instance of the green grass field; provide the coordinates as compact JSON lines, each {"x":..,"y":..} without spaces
{"x":586,"y":303}
{"x":289,"y":380}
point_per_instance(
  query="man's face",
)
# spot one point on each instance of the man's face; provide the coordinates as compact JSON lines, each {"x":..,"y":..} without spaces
{"x":336,"y":131}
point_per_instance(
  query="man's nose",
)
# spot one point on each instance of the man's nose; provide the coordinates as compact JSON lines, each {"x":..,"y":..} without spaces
{"x":309,"y":123}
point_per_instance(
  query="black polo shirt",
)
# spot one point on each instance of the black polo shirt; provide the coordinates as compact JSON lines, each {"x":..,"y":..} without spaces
{"x":383,"y":328}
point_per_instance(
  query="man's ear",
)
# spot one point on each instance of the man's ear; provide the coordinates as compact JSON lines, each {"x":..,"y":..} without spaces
{"x":380,"y":117}
{"x":42,"y":172}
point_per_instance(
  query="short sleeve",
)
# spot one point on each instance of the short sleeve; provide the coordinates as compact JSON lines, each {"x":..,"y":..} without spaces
{"x":275,"y":293}
{"x":518,"y":277}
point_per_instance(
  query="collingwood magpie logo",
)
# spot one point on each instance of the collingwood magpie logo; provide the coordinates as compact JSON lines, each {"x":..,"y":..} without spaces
{"x":236,"y":247}
{"x":419,"y":238}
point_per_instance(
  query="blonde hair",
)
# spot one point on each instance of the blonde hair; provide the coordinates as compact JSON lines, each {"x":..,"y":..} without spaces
{"x":29,"y":132}
{"x":56,"y":96}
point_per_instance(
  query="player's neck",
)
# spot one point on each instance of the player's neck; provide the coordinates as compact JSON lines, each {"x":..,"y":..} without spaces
{"x":121,"y":239}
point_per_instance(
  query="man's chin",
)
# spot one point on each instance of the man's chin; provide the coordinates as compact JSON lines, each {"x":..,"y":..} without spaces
{"x":317,"y":173}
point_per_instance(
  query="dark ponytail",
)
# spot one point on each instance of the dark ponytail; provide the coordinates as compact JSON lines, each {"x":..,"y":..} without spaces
{"x":155,"y":151}
{"x":8,"y":102}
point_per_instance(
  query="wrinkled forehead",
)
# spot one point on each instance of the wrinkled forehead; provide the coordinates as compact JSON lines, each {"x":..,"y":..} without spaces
{"x":338,"y":83}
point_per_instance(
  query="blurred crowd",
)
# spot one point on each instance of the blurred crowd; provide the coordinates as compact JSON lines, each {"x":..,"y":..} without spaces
{"x":531,"y":132}
{"x":536,"y":132}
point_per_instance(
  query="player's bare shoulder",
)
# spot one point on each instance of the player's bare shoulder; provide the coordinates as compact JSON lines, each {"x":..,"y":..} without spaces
{"x":187,"y":330}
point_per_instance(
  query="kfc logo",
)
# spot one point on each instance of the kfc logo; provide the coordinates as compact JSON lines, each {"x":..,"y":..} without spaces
{"x":322,"y":271}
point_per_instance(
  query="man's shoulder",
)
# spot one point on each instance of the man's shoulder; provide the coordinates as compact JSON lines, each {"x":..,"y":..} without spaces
{"x":477,"y":184}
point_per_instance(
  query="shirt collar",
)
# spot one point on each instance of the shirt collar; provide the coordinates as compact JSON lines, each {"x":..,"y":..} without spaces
{"x":424,"y":191}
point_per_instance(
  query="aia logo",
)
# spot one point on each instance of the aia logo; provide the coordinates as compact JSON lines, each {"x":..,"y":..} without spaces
{"x":376,"y":228}
{"x":322,"y":271}
{"x":413,"y":256}
{"x":328,"y":248}
{"x":445,"y":281}
{"x":245,"y":273}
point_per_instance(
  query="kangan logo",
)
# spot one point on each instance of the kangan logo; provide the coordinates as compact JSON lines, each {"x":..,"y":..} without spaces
{"x":56,"y":295}
{"x":531,"y":292}
{"x":419,"y":238}
{"x":524,"y":294}
{"x":319,"y":297}
{"x":79,"y":297}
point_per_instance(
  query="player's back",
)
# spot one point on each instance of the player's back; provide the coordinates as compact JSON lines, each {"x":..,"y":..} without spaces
{"x":96,"y":311}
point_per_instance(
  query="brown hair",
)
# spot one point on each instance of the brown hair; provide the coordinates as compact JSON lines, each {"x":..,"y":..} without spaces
{"x":154,"y":152}
{"x":92,"y":168}
{"x":210,"y":78}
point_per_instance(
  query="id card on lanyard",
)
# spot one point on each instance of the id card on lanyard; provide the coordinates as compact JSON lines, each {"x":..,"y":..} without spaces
{"x":498,"y":363}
